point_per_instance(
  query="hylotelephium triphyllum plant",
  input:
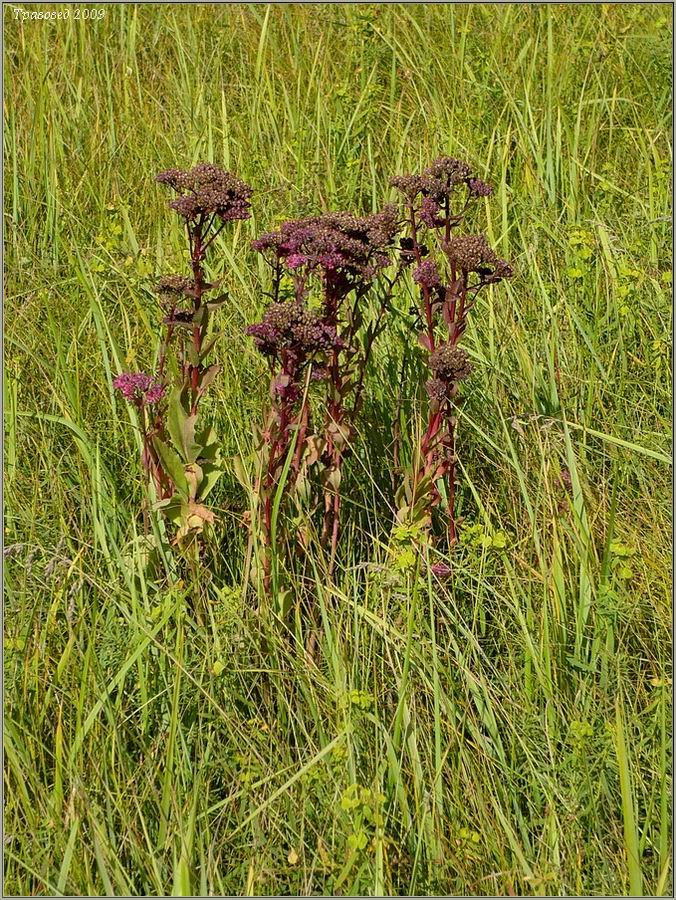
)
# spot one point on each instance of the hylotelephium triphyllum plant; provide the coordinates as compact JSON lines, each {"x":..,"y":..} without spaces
{"x":449,"y":279}
{"x":331,"y":261}
{"x":181,"y":455}
{"x":318,"y":335}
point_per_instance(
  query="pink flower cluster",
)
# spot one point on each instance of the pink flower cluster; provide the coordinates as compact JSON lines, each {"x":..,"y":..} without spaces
{"x":207,"y":189}
{"x":355,"y":244}
{"x":436,"y":186}
{"x":427,"y":274}
{"x":139,"y":388}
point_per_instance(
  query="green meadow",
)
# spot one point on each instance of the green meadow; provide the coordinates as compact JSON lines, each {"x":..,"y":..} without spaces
{"x":505,"y":732}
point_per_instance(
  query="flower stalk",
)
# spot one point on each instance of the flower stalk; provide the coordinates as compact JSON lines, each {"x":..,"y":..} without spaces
{"x":332,"y":262}
{"x":449,"y":281}
{"x":181,"y":458}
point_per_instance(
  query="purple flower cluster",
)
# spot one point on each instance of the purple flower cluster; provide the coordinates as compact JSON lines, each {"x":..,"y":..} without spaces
{"x":479,"y":188}
{"x":292,"y":327}
{"x":436,"y":182}
{"x":436,"y":185}
{"x":441,"y":570}
{"x":429,"y":213}
{"x":427,"y":274}
{"x":448,"y":171}
{"x":139,"y":388}
{"x":449,"y":363}
{"x":207,"y":189}
{"x":436,"y":389}
{"x":473,"y":253}
{"x":354,"y":244}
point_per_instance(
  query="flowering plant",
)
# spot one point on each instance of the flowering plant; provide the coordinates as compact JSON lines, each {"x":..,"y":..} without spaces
{"x":335,"y":260}
{"x":449,"y":281}
{"x":181,"y":457}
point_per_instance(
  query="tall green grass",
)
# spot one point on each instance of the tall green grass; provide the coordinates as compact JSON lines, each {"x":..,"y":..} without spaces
{"x":510,"y":732}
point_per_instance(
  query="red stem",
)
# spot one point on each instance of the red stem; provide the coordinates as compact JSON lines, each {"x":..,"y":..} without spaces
{"x":425,"y":290}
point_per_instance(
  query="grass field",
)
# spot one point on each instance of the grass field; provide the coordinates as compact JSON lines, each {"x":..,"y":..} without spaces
{"x":509,"y":735}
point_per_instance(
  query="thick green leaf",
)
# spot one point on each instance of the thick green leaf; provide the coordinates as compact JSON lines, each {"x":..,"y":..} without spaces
{"x":172,"y":509}
{"x":210,"y":448}
{"x":193,"y":475}
{"x":172,"y":464}
{"x":210,"y":475}
{"x":240,"y":472}
{"x":201,"y":317}
{"x":208,"y":347}
{"x":208,"y":376}
{"x":191,"y":447}
{"x":182,"y":428}
{"x":176,"y":415}
{"x":193,"y":356}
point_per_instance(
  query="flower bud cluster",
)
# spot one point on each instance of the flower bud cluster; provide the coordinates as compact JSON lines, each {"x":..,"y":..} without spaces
{"x":473,"y":253}
{"x":436,"y":184}
{"x":173,"y":284}
{"x":290,"y":326}
{"x":427,"y":274}
{"x":449,"y":363}
{"x":334,"y":241}
{"x":479,"y":188}
{"x":207,"y":189}
{"x":436,"y":389}
{"x":173,"y":289}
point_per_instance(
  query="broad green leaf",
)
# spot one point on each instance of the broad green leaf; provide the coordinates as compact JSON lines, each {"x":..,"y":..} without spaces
{"x":172,"y":464}
{"x":217,"y":302}
{"x":193,"y":475}
{"x":210,"y":475}
{"x":210,"y":447}
{"x":208,"y":347}
{"x":208,"y":376}
{"x":181,"y":427}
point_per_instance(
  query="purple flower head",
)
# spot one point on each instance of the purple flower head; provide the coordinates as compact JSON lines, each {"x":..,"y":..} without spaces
{"x":319,"y":372}
{"x":414,"y":185}
{"x":265,"y":241}
{"x":173,"y":290}
{"x":502,"y":269}
{"x":139,"y":388}
{"x":294,"y":260}
{"x":441,"y":570}
{"x":207,"y":189}
{"x":292,"y":327}
{"x":436,"y":389}
{"x":436,"y":182}
{"x":429,"y":213}
{"x":449,"y":171}
{"x":479,"y":188}
{"x":473,"y":253}
{"x":449,"y":364}
{"x":427,"y":274}
{"x":334,"y":241}
{"x":154,"y":393}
